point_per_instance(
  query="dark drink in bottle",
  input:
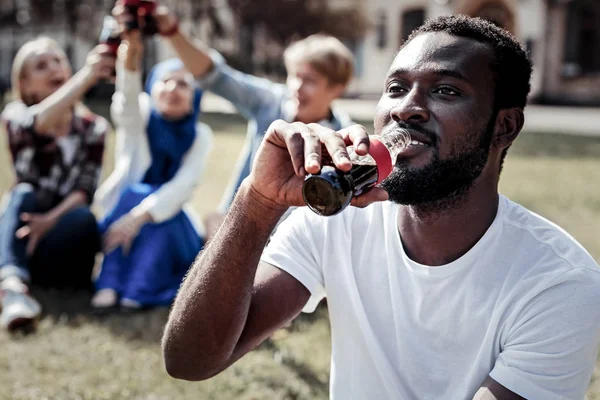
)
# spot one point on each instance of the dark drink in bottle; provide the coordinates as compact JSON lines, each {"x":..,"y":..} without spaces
{"x":110,"y":34}
{"x":131,"y":8}
{"x":331,"y":190}
{"x":145,"y":12}
{"x":141,"y":16}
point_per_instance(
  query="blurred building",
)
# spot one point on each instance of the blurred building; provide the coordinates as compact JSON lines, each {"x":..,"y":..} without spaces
{"x":76,"y":26}
{"x":563,"y":37}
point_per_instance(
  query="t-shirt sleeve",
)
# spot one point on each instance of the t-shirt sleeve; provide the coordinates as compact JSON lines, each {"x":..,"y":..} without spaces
{"x":296,"y":248}
{"x":18,"y":120}
{"x":550,"y":349}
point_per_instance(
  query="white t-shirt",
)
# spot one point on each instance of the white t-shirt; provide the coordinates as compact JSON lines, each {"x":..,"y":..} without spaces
{"x":523,"y":306}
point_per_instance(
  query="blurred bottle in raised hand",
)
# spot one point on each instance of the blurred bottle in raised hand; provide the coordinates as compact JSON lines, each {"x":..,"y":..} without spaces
{"x":331,"y":190}
{"x":110,"y":34}
{"x":141,"y":16}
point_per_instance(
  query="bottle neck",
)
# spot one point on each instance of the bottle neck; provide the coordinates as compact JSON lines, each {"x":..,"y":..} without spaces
{"x":395,"y":141}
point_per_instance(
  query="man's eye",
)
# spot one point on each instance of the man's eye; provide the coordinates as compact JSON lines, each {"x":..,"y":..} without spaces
{"x":395,"y":88}
{"x":447,"y":91}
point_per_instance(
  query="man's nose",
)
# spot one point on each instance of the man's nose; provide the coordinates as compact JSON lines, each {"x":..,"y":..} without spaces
{"x":411,"y":108}
{"x":170,"y":86}
{"x":295,"y":84}
{"x":55,"y":65}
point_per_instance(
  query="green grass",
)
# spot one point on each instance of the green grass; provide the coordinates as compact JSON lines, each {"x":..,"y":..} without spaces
{"x":76,"y":356}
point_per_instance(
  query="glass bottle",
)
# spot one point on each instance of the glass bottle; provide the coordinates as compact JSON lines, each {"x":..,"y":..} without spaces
{"x":110,"y":34}
{"x":331,"y":190}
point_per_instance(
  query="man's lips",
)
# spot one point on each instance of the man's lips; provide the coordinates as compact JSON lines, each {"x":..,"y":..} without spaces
{"x":419,"y":143}
{"x":418,"y":139}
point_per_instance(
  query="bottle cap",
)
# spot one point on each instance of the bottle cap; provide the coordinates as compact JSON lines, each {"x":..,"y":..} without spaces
{"x":382,"y":158}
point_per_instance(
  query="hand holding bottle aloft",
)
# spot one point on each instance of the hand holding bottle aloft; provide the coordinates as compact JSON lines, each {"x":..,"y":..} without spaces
{"x":291,"y":151}
{"x":99,"y":64}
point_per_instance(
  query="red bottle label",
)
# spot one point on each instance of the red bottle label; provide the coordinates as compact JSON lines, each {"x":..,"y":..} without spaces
{"x":382,"y":157}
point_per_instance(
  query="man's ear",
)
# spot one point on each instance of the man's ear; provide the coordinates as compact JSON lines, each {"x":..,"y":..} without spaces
{"x":337,"y":90}
{"x":509,"y":123}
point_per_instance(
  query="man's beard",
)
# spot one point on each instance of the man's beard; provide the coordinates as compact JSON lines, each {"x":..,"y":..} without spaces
{"x":441,"y":183}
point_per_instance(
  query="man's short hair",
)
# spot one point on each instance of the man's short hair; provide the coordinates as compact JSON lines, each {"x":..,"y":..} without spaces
{"x":512,"y":66}
{"x":326,"y":54}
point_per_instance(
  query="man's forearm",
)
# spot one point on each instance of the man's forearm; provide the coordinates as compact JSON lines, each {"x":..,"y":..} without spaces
{"x":211,"y":309}
{"x":194,"y":57}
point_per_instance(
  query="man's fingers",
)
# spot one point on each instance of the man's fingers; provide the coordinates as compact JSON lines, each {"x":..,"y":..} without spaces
{"x":335,"y":145}
{"x":23,"y":232}
{"x":312,"y":153}
{"x":25,"y":217}
{"x":294,"y":135}
{"x":118,"y":11}
{"x":126,"y":246}
{"x":358,"y":137}
{"x":161,"y":11}
{"x":372,"y":196}
{"x":31,"y":245}
{"x":111,"y":242}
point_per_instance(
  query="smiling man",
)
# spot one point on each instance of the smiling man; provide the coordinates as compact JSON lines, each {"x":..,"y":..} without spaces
{"x":449,"y":290}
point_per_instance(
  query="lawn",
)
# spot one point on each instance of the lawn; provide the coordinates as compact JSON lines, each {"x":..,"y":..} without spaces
{"x":75,"y":356}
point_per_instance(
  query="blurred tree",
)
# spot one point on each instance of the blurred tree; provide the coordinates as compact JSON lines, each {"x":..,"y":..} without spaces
{"x":286,"y":20}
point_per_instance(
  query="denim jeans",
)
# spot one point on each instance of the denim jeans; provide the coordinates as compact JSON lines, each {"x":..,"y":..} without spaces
{"x":64,"y":258}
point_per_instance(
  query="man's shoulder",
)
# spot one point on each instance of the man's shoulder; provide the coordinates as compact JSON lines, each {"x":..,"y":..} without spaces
{"x":545,"y":241}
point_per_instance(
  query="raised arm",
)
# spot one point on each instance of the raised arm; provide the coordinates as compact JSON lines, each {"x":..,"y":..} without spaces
{"x":194,"y":56}
{"x":229,"y":303}
{"x":129,"y":110}
{"x":50,"y":110}
{"x":248,"y":93}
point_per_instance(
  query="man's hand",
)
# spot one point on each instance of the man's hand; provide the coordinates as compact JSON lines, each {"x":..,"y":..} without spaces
{"x":123,"y":231}
{"x":291,"y":151}
{"x":165,"y":20}
{"x":99,"y":64}
{"x":36,"y":227}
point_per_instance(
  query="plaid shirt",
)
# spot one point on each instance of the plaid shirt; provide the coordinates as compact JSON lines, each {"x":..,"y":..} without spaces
{"x":39,"y":160}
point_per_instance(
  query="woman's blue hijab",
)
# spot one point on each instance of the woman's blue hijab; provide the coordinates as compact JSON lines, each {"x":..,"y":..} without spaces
{"x":169,"y":140}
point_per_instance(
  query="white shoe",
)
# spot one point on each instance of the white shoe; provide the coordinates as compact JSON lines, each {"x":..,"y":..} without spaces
{"x":131,"y":304}
{"x":105,"y":298}
{"x":19,"y":310}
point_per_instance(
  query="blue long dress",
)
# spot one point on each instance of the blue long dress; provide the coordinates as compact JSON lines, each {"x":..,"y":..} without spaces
{"x":161,"y":253}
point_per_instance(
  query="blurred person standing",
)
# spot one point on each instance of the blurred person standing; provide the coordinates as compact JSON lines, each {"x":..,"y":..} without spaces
{"x":48,"y":234}
{"x":150,"y":237}
{"x":319,"y":70}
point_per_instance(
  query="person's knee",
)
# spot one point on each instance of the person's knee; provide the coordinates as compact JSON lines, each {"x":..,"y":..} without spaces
{"x":21,"y":198}
{"x":22,"y":189}
{"x":82,"y":220}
